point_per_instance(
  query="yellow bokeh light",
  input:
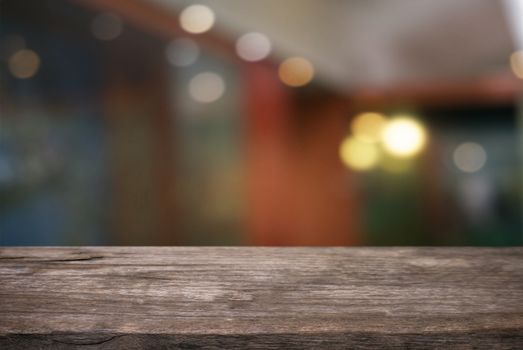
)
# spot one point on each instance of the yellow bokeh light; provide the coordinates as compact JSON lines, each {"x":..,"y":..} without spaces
{"x":197,"y":19}
{"x":24,"y":64}
{"x":296,"y":71}
{"x":368,"y":126}
{"x":404,"y":137}
{"x":359,"y":155}
{"x":516,"y":62}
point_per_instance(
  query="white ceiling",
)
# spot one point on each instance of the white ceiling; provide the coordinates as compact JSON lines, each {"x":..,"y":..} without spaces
{"x":357,"y":43}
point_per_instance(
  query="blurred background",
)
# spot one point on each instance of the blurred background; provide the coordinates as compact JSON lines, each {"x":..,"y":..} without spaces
{"x":232,"y":122}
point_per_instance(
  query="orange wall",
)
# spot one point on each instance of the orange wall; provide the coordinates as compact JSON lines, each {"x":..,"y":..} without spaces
{"x":297,"y":190}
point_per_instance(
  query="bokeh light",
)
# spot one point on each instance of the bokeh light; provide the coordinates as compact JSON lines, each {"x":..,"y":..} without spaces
{"x":121,"y":118}
{"x":404,"y":137}
{"x":516,"y":62}
{"x":359,"y":155}
{"x":253,"y":47}
{"x":368,"y":126}
{"x":470,"y":157}
{"x":182,"y":52}
{"x":197,"y":19}
{"x":296,"y":71}
{"x":24,"y":64}
{"x":206,"y":87}
{"x":106,"y":26}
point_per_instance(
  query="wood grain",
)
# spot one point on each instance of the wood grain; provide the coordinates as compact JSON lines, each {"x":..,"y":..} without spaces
{"x":261,"y":298}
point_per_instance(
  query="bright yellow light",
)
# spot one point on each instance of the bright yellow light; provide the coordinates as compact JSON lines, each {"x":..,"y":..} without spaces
{"x":296,"y":71}
{"x":516,"y":62}
{"x":197,"y":19}
{"x":404,"y":137}
{"x":24,"y":64}
{"x":368,"y":126}
{"x":359,"y":155}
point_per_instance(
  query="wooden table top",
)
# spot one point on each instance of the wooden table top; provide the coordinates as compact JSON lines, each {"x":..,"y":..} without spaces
{"x":262,"y":298}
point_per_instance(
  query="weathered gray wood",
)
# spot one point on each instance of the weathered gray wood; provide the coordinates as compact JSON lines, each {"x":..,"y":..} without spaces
{"x":264,"y":298}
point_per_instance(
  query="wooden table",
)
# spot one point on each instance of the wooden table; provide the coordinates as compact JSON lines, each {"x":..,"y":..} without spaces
{"x":263,"y":298}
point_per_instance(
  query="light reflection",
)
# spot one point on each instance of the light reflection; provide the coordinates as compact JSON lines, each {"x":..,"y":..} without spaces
{"x":359,"y":155}
{"x":404,"y":137}
{"x":197,"y":19}
{"x":296,"y":71}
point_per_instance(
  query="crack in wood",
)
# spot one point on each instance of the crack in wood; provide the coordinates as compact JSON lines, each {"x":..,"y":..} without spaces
{"x":75,"y":340}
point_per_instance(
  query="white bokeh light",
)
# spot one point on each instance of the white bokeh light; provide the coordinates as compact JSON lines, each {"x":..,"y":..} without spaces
{"x":182,"y":52}
{"x":197,"y":19}
{"x":404,"y":137}
{"x":470,"y":157}
{"x":253,"y":47}
{"x":514,"y":15}
{"x":206,"y":87}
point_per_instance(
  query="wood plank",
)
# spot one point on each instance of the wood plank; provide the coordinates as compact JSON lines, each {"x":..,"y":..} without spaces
{"x":265,"y":298}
